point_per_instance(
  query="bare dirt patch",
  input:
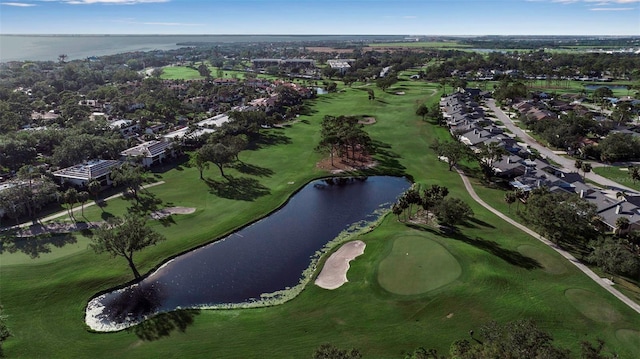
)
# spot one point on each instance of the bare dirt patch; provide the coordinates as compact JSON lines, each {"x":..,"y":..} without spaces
{"x":367,"y":121}
{"x":334,"y":272}
{"x":343,"y":164}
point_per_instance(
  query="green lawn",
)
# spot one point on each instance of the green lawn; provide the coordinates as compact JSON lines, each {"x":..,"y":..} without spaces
{"x":619,"y":174}
{"x":423,"y":44}
{"x":180,"y":73}
{"x":415,"y":265}
{"x":504,"y":274}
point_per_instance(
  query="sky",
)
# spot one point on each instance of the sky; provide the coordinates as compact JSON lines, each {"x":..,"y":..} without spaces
{"x":330,"y":17}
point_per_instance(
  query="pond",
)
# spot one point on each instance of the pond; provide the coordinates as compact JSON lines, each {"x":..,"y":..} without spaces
{"x":612,"y":87}
{"x":256,"y":264}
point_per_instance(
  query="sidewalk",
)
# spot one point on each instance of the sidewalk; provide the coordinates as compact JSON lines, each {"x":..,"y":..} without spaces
{"x":75,"y":210}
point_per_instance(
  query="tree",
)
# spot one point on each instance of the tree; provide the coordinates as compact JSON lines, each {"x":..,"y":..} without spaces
{"x":4,"y":331}
{"x":521,"y":339}
{"x":453,"y":151}
{"x":634,"y":173}
{"x":70,"y":198}
{"x":578,"y":164}
{"x":586,"y":168}
{"x":422,"y":111}
{"x":452,"y":211}
{"x":204,"y":71}
{"x":385,"y":82}
{"x":422,"y":353}
{"x":600,"y":94}
{"x":122,"y":237}
{"x":372,"y":94}
{"x":510,"y":197}
{"x":131,"y":176}
{"x":613,"y":256}
{"x":83,"y":197}
{"x":561,"y":217}
{"x":432,"y":196}
{"x":219,"y":154}
{"x":199,"y":161}
{"x":329,"y":351}
{"x":488,"y":156}
{"x":94,"y":188}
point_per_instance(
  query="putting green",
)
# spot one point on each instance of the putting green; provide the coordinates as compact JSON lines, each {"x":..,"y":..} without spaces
{"x":549,"y":263}
{"x":417,"y":265}
{"x":630,"y":338}
{"x":592,"y":305}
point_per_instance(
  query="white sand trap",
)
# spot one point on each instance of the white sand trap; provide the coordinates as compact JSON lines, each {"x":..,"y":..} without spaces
{"x":334,"y":272}
{"x":166,"y":212}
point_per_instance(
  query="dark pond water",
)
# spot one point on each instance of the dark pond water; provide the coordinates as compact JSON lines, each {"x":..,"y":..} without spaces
{"x":265,"y":257}
{"x":612,"y":87}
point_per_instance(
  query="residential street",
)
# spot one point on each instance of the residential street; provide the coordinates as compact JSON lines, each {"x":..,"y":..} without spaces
{"x":566,"y":164}
{"x":602,"y":282}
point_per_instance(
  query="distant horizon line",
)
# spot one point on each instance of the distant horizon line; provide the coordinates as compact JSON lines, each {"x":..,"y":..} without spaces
{"x":306,"y":35}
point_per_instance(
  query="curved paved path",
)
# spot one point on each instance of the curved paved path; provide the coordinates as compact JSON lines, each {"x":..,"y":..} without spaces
{"x":604,"y":284}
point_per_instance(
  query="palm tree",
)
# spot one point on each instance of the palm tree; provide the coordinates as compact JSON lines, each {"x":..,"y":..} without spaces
{"x":62,"y":58}
{"x":622,"y":223}
{"x":83,"y":197}
{"x":578,"y":164}
{"x":510,"y":197}
{"x":94,"y":188}
{"x":70,"y":198}
{"x":634,"y":173}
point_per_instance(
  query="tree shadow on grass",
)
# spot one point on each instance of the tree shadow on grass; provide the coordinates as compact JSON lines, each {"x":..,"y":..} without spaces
{"x":474,"y":223}
{"x":238,"y":188}
{"x":387,"y":161}
{"x":146,"y":203}
{"x":269,"y":138}
{"x":33,"y":246}
{"x":512,"y":257}
{"x":162,"y":325}
{"x":253,"y":170}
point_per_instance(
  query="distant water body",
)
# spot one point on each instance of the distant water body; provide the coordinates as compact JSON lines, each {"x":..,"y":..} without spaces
{"x":48,"y":47}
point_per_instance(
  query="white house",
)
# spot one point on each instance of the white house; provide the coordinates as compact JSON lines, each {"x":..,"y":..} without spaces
{"x":150,"y":152}
{"x":82,"y":174}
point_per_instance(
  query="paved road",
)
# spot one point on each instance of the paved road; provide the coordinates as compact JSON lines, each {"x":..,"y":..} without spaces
{"x":567,"y":164}
{"x":602,"y":282}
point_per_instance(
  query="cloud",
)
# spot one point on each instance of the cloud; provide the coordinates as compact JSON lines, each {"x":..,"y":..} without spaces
{"x":112,"y":2}
{"x":612,"y":9}
{"x":156,"y":23}
{"x":17,"y":4}
{"x":594,"y":2}
{"x":170,"y":23}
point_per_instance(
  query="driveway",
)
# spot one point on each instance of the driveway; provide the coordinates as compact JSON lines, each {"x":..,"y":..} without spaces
{"x":566,"y":164}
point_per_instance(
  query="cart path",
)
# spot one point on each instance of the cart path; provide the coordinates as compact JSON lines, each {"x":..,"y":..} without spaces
{"x":602,"y":282}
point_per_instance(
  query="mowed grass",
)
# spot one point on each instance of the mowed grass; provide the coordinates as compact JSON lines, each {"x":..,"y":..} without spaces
{"x":416,"y":265}
{"x":620,"y":174}
{"x":423,"y":44}
{"x":180,"y":73}
{"x":44,"y":302}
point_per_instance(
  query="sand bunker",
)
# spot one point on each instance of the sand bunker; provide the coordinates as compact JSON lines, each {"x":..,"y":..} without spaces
{"x":334,"y":272}
{"x":166,"y":212}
